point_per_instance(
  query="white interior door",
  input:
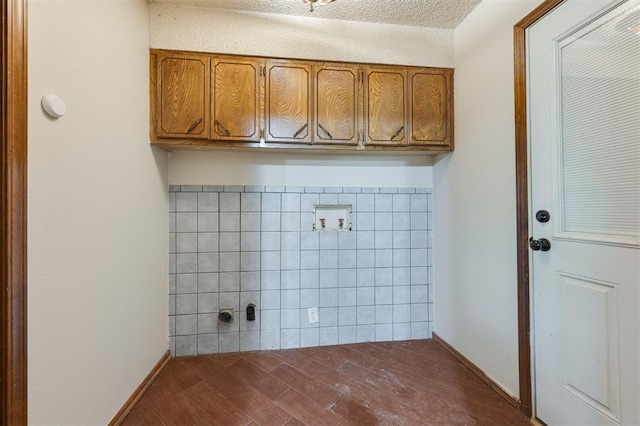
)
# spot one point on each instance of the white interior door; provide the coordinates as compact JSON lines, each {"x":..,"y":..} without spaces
{"x":584,"y":123}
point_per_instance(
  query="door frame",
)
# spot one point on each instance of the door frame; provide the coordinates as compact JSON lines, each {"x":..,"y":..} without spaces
{"x":13,"y":213}
{"x":522,"y":200}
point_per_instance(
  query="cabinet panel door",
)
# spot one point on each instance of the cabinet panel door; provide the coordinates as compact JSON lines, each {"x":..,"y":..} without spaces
{"x":336,"y":105}
{"x":386,"y":107}
{"x":235,"y":94}
{"x":431,"y":105}
{"x":288,"y":102}
{"x":182,"y":109}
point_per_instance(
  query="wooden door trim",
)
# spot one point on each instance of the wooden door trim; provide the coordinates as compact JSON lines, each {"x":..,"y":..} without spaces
{"x":522,"y":200}
{"x":13,"y":213}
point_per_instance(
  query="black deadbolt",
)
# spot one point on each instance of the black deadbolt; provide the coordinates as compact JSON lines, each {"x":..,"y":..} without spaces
{"x":543,"y":216}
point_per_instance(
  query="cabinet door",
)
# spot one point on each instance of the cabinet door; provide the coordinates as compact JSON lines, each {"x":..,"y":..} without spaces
{"x":336,"y":105}
{"x":182,"y":96}
{"x":288,"y":102}
{"x":235,"y":93}
{"x":431,"y":108}
{"x":386,"y":106}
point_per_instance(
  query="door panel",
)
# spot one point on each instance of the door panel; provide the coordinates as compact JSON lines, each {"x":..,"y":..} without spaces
{"x":336,"y":105}
{"x":590,"y":323}
{"x":386,"y":107}
{"x":288,"y":112}
{"x":430,"y":103}
{"x":584,"y":120}
{"x":235,"y":94}
{"x":183,"y":96}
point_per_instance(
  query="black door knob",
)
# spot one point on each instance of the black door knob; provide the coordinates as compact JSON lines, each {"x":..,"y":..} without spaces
{"x":539,"y":245}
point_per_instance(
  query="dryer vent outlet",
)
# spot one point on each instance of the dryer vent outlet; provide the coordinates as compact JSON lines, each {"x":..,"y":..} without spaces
{"x":225,"y":316}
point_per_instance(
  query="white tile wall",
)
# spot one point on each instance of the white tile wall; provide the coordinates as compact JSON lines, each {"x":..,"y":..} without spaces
{"x":231,"y":245}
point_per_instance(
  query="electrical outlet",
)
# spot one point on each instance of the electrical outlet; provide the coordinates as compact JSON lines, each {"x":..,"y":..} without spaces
{"x":313,"y":315}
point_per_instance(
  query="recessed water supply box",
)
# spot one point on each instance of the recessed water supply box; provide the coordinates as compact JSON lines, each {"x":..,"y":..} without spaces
{"x":332,"y":217}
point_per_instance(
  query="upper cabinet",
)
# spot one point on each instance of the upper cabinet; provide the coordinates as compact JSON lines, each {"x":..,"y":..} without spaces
{"x":431,"y":107}
{"x":235,"y":101}
{"x":181,"y":94}
{"x":288,"y":102}
{"x":386,"y":106}
{"x":336,"y":108}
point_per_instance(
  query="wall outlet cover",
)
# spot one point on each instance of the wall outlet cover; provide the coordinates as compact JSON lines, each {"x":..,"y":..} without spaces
{"x":313,"y":315}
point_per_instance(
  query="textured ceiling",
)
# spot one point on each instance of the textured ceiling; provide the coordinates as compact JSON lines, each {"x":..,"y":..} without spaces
{"x":422,"y":13}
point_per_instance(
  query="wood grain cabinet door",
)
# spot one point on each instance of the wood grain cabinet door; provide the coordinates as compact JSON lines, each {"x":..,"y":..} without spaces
{"x":336,"y":105}
{"x":386,"y":106}
{"x":235,"y":92}
{"x":431,"y":108}
{"x":182,"y":96}
{"x":288,"y":102}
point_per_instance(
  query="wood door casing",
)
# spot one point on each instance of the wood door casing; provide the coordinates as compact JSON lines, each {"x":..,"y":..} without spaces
{"x":235,"y":92}
{"x":183,"y":96}
{"x":288,"y":102}
{"x":386,"y":106}
{"x":336,"y":109}
{"x":522,"y":199}
{"x":431,"y":107}
{"x":13,"y":212}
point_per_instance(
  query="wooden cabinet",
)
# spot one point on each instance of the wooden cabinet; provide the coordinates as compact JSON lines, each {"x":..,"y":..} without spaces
{"x":288,"y":102}
{"x":409,"y":107}
{"x":235,"y":99}
{"x":431,"y":107}
{"x":181,"y":107}
{"x":336,"y":105}
{"x":386,"y":106}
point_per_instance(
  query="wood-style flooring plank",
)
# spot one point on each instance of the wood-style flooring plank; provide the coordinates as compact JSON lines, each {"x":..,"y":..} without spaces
{"x":386,"y":384}
{"x":357,"y":414}
{"x":307,"y":410}
{"x":343,"y":384}
{"x":143,"y":415}
{"x":176,"y":410}
{"x":379,"y":383}
{"x":347,"y":354}
{"x":263,"y":360}
{"x":269,"y":385}
{"x":306,"y":385}
{"x":215,"y":407}
{"x":243,"y":394}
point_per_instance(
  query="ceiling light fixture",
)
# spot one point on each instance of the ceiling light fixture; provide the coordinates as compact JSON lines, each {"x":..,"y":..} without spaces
{"x":313,"y":3}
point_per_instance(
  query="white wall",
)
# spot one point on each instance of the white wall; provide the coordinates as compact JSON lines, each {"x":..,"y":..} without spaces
{"x":223,"y":31}
{"x":475,"y":199}
{"x":97,"y":231}
{"x":288,"y":169}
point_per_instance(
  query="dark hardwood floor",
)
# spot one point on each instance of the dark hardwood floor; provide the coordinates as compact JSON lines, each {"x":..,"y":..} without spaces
{"x":395,"y":383}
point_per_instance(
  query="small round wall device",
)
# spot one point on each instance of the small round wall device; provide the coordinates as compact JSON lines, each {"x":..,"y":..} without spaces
{"x":53,"y":106}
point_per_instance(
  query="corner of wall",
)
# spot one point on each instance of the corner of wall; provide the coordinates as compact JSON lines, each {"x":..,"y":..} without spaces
{"x":474,"y":199}
{"x":97,"y":213}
